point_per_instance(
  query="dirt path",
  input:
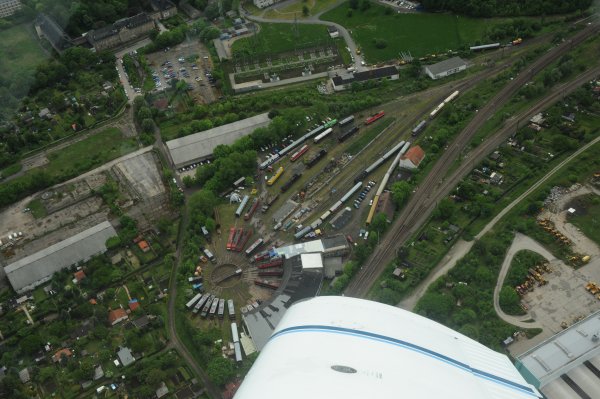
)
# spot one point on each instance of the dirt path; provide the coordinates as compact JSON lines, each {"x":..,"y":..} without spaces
{"x":463,"y":247}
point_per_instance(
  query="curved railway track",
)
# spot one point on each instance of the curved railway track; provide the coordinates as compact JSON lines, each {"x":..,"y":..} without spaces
{"x":432,"y":189}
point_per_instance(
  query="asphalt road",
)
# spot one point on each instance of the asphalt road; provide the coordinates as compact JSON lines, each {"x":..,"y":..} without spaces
{"x":432,"y":189}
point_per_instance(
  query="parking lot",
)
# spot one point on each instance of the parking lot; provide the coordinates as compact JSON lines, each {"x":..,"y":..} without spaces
{"x":189,"y":62}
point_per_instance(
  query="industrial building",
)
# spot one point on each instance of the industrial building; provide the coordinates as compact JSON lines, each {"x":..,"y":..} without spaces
{"x":47,"y":28}
{"x":33,"y":270}
{"x":412,"y":159}
{"x":343,"y":82}
{"x":303,"y":275}
{"x":199,"y":146}
{"x":445,"y":68}
{"x":351,"y":348}
{"x":9,"y":7}
{"x":567,"y":365}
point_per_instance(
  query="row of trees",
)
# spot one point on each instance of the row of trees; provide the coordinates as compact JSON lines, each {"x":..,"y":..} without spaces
{"x":493,"y":8}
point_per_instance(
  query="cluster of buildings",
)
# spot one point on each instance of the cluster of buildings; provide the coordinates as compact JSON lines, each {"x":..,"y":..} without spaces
{"x":108,"y":37}
{"x":9,"y":7}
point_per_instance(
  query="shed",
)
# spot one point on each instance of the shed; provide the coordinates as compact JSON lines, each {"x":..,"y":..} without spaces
{"x":125,"y":356}
{"x":445,"y":68}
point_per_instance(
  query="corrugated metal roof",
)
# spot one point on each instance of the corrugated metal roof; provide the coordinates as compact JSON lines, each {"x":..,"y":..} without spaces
{"x":351,"y":348}
{"x":446,"y":65}
{"x":34,"y":269}
{"x":200,"y":145}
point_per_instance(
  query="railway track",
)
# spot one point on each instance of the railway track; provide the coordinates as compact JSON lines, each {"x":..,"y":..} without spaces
{"x":432,"y":189}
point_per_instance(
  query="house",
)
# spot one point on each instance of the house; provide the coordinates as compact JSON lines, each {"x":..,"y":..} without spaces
{"x":24,"y":375}
{"x":141,"y":322}
{"x":413,"y":158}
{"x":445,"y":68}
{"x":122,"y":31}
{"x":162,"y":390}
{"x":162,"y":9}
{"x":133,"y":304}
{"x":117,"y":316}
{"x":45,"y":113}
{"x":78,"y":276}
{"x":9,"y":7}
{"x":47,"y":28}
{"x":116,"y":259}
{"x":98,"y":373}
{"x":333,"y":32}
{"x":343,"y":82}
{"x":65,"y":352}
{"x":496,"y":178}
{"x":144,"y":246}
{"x":125,"y":356}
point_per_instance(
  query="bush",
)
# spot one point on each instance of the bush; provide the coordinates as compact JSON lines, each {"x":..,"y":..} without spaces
{"x":380,"y":43}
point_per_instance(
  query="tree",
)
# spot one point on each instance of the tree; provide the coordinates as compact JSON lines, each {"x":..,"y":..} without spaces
{"x":354,"y":4}
{"x":220,"y":370}
{"x":509,"y":300}
{"x":435,"y":306}
{"x":400,"y":192}
{"x":154,"y":376}
{"x":379,"y":222}
{"x":31,"y":344}
{"x":305,"y":10}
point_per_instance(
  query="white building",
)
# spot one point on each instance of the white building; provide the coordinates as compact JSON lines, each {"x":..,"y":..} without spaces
{"x":265,"y":3}
{"x":342,"y":347}
{"x":9,"y":7}
{"x":445,"y":68}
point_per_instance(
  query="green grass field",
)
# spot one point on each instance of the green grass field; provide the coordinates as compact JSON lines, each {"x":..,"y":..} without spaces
{"x":91,"y":152}
{"x":21,"y":53}
{"x":589,"y":221}
{"x":421,"y":34}
{"x":279,"y":38}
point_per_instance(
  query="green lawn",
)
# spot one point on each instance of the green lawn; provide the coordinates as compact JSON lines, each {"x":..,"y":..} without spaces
{"x":589,"y":220}
{"x":89,"y":153}
{"x":421,"y":34}
{"x":279,"y":38}
{"x":21,"y":53}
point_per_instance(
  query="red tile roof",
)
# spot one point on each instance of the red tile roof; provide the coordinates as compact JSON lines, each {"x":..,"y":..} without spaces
{"x":57,"y":356}
{"x":415,"y":155}
{"x":114,"y":316}
{"x":79,"y":275}
{"x":134,"y":305}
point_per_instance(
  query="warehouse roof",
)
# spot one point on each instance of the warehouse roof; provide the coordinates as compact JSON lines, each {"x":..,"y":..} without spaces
{"x":34,"y":269}
{"x":201,"y":145}
{"x":364,"y":76}
{"x":446,"y":65}
{"x":351,"y":348}
{"x":564,"y":351}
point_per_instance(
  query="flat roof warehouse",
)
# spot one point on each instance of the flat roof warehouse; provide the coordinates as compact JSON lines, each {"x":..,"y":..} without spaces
{"x":200,"y":146}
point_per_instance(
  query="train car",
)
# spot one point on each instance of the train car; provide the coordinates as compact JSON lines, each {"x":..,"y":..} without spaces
{"x":253,"y":208}
{"x":244,"y":237}
{"x":207,"y":305}
{"x":485,"y":47}
{"x":419,"y":128}
{"x":290,"y":182}
{"x":271,"y":273}
{"x":270,"y":201}
{"x":331,"y":123}
{"x":295,"y":156}
{"x":374,"y":117}
{"x":197,"y":286}
{"x":451,"y":97}
{"x":210,"y":256}
{"x":254,"y":246}
{"x":239,"y":182}
{"x":315,"y":224}
{"x":345,"y":136}
{"x":231,"y":309}
{"x":316,"y":158}
{"x":436,"y":110}
{"x":302,"y":232}
{"x":214,"y":306}
{"x":350,"y":192}
{"x":275,"y":262}
{"x":321,"y":136}
{"x":193,"y":301}
{"x":266,"y":284}
{"x":276,"y":176}
{"x":221,"y":311}
{"x":516,"y":42}
{"x":200,"y":303}
{"x":234,"y":333}
{"x":231,"y":238}
{"x":347,"y":120}
{"x":237,"y":349}
{"x":240,"y":208}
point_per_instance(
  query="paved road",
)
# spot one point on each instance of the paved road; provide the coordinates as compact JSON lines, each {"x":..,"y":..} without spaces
{"x":131,"y":94}
{"x":314,"y":20}
{"x":432,"y":189}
